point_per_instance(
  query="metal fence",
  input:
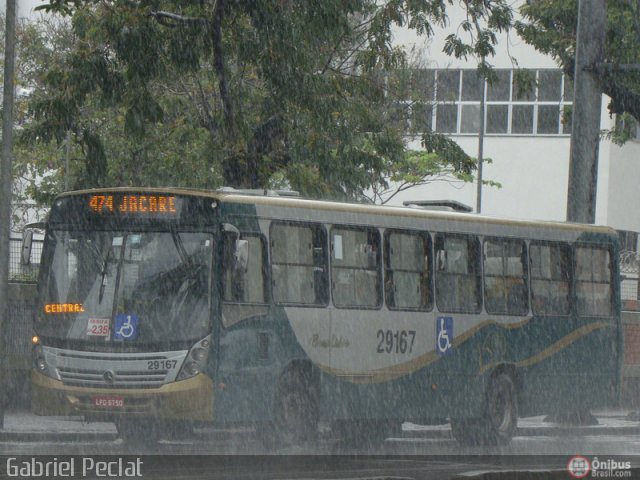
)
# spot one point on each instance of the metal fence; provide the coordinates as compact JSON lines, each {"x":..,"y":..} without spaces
{"x":19,"y":272}
{"x":20,"y":308}
{"x":630,"y":274}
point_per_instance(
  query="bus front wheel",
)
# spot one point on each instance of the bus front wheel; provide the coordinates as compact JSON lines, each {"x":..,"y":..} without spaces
{"x":500,"y":420}
{"x":295,"y":416}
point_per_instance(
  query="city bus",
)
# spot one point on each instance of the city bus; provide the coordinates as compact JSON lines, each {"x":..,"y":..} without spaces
{"x":164,"y":307}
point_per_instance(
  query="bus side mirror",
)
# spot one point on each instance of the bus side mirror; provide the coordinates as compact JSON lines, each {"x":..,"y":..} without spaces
{"x":27,"y":240}
{"x":241,"y":255}
{"x":237,"y":252}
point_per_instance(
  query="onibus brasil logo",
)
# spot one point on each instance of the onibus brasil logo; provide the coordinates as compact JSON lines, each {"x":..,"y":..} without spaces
{"x":581,"y":467}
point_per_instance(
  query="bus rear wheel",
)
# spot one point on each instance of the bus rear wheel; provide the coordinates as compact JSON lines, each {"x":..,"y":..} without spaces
{"x":500,"y":420}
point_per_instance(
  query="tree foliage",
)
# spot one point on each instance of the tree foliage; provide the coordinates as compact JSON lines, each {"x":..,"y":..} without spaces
{"x":37,"y":44}
{"x":551,"y":27}
{"x":251,"y":94}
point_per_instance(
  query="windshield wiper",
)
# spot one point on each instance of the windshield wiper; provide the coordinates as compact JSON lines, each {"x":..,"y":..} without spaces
{"x":103,"y":274}
{"x":182,"y":252}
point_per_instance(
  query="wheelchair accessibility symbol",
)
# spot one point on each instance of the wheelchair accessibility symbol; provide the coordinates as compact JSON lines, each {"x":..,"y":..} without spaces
{"x":126,"y":327}
{"x":444,"y":335}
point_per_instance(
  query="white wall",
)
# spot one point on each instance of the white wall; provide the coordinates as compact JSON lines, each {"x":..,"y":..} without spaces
{"x":623,"y":185}
{"x":533,"y":172}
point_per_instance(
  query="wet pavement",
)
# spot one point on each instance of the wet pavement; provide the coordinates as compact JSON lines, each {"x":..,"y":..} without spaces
{"x":21,"y":425}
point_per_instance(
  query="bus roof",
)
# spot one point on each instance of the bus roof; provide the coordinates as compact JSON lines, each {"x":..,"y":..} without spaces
{"x":275,"y":199}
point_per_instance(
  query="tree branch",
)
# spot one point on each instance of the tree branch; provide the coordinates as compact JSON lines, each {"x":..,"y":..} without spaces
{"x":171,"y":20}
{"x":218,"y":65}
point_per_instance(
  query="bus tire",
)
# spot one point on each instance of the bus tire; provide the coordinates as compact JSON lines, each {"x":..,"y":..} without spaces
{"x":501,"y":411}
{"x":295,"y":417}
{"x":500,"y":420}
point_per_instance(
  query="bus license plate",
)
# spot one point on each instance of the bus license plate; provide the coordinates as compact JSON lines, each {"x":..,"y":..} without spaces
{"x":108,"y":402}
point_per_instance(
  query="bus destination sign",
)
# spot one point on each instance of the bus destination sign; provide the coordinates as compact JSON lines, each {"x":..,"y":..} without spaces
{"x":135,"y":204}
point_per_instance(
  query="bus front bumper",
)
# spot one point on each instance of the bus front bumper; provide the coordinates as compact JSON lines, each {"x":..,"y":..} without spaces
{"x":190,"y":399}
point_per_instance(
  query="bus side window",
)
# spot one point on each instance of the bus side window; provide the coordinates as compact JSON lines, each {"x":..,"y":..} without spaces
{"x":355,"y":267}
{"x":458,"y":277}
{"x":408,"y":270}
{"x":505,"y":276}
{"x":298,"y":263}
{"x":593,"y":281}
{"x":550,"y":278}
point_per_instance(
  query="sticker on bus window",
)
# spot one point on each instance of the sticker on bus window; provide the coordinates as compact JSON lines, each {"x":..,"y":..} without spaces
{"x":337,"y":247}
{"x":444,"y":335}
{"x":98,"y":327}
{"x":126,"y":327}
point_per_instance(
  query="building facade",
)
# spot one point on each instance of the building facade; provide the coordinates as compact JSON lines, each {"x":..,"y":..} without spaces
{"x":526,"y":139}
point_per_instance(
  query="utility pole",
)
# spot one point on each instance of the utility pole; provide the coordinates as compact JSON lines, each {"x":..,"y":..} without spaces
{"x":481,"y":145}
{"x":587,"y":104}
{"x":5,"y":186}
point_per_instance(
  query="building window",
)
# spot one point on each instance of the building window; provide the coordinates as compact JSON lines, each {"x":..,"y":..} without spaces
{"x":522,"y":119}
{"x":470,"y":119}
{"x":447,"y":118}
{"x":549,"y":85}
{"x":448,"y":85}
{"x":499,"y":88}
{"x":518,"y":102}
{"x":497,"y":119}
{"x":548,"y":119}
{"x":423,"y":85}
{"x":421,"y":117}
{"x":472,"y":86}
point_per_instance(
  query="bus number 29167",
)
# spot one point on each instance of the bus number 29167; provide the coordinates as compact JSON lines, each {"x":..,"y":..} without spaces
{"x":395,"y":341}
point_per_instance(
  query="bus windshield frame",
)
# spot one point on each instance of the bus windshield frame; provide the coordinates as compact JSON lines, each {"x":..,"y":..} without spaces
{"x":125,"y":280}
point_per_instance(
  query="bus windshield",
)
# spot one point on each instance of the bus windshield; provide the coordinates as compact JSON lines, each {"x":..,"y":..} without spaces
{"x":140,"y":287}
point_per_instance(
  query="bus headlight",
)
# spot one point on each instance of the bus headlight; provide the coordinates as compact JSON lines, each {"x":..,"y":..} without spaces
{"x":192,"y":369}
{"x":196,"y":360}
{"x":41,"y":365}
{"x":199,"y":354}
{"x":40,"y":362}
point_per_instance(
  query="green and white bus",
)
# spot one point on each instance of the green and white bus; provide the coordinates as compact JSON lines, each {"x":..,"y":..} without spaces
{"x":174,"y":305}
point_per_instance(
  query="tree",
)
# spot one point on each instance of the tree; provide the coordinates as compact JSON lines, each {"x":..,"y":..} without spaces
{"x":289,"y":92}
{"x":36,"y":43}
{"x":551,"y":27}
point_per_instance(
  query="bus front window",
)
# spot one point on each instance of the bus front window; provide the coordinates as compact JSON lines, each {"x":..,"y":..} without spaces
{"x":156,"y":282}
